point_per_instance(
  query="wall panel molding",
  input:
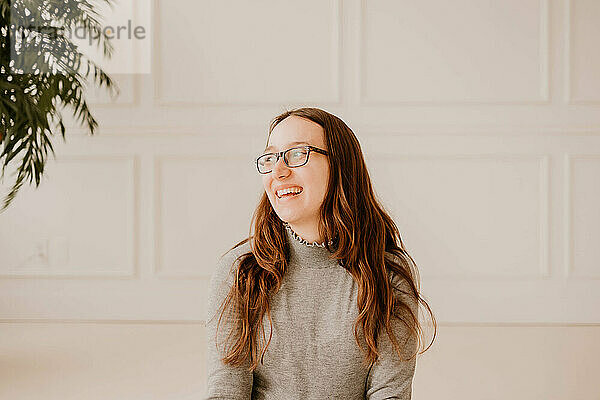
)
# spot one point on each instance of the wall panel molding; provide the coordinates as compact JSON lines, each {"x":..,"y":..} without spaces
{"x":330,"y":99}
{"x":541,"y":97}
{"x":570,"y":267}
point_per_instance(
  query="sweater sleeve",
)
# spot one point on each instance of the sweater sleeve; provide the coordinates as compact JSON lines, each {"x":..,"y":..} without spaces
{"x":390,"y":377}
{"x":223,"y":380}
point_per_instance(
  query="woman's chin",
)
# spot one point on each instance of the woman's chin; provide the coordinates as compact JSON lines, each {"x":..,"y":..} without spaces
{"x":288,"y":217}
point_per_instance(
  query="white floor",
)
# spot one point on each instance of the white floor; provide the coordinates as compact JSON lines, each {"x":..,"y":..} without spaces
{"x":92,"y":361}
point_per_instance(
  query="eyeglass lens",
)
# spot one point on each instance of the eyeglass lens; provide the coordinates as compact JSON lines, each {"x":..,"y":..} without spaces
{"x":294,"y":157}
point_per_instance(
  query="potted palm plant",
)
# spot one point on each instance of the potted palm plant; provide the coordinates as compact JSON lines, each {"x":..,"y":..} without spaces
{"x":42,"y":73}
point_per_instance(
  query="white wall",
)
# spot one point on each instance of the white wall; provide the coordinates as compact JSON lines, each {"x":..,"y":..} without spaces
{"x":480,"y":123}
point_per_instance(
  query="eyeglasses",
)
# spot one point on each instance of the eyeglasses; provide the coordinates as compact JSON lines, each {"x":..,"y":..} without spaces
{"x":294,"y":157}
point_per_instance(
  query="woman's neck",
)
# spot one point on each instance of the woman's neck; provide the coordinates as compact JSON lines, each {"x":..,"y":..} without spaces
{"x":308,"y":232}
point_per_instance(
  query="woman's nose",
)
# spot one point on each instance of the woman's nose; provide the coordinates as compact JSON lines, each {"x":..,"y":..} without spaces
{"x":280,"y":169}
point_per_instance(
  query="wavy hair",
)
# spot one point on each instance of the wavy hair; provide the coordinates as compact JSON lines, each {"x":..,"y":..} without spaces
{"x":362,"y":233}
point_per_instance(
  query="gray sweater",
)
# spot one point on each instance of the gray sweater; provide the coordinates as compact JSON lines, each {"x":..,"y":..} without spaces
{"x":313,"y":353}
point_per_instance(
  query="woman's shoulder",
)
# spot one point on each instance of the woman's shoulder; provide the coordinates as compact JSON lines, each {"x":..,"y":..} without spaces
{"x":223,"y":276}
{"x":396,"y":259}
{"x":402,"y":287}
{"x":398,"y":281}
{"x":227,"y":262}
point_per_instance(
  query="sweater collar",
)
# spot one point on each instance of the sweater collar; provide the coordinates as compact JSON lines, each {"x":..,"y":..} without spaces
{"x":312,"y":255}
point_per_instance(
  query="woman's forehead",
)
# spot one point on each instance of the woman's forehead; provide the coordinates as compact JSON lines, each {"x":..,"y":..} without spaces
{"x":295,"y":130}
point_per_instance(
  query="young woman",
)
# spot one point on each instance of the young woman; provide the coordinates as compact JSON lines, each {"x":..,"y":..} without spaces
{"x":325,"y":272}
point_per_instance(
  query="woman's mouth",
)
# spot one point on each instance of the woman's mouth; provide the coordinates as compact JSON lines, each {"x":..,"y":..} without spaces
{"x":289,"y":192}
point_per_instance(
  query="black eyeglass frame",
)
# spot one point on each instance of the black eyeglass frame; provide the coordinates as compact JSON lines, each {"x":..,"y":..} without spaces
{"x":282,"y":154}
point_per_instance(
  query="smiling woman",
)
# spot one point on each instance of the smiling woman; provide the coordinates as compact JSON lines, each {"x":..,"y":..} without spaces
{"x":325,"y":269}
{"x":300,"y":211}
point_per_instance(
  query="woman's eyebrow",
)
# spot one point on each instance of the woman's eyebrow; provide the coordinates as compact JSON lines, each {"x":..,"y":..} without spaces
{"x":289,"y":144}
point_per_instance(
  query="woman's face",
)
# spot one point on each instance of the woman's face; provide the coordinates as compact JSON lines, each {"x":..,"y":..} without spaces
{"x":312,"y":177}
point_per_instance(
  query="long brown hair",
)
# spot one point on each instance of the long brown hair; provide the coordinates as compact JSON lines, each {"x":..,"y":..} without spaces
{"x":362,"y":233}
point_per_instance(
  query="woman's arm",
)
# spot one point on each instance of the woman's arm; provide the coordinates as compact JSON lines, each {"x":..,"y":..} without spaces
{"x":224,"y":381}
{"x":390,"y":377}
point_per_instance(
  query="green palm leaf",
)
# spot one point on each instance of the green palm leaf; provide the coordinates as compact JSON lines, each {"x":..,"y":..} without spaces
{"x":42,"y":72}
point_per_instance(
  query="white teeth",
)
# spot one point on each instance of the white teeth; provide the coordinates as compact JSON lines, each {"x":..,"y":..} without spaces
{"x":289,"y":190}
